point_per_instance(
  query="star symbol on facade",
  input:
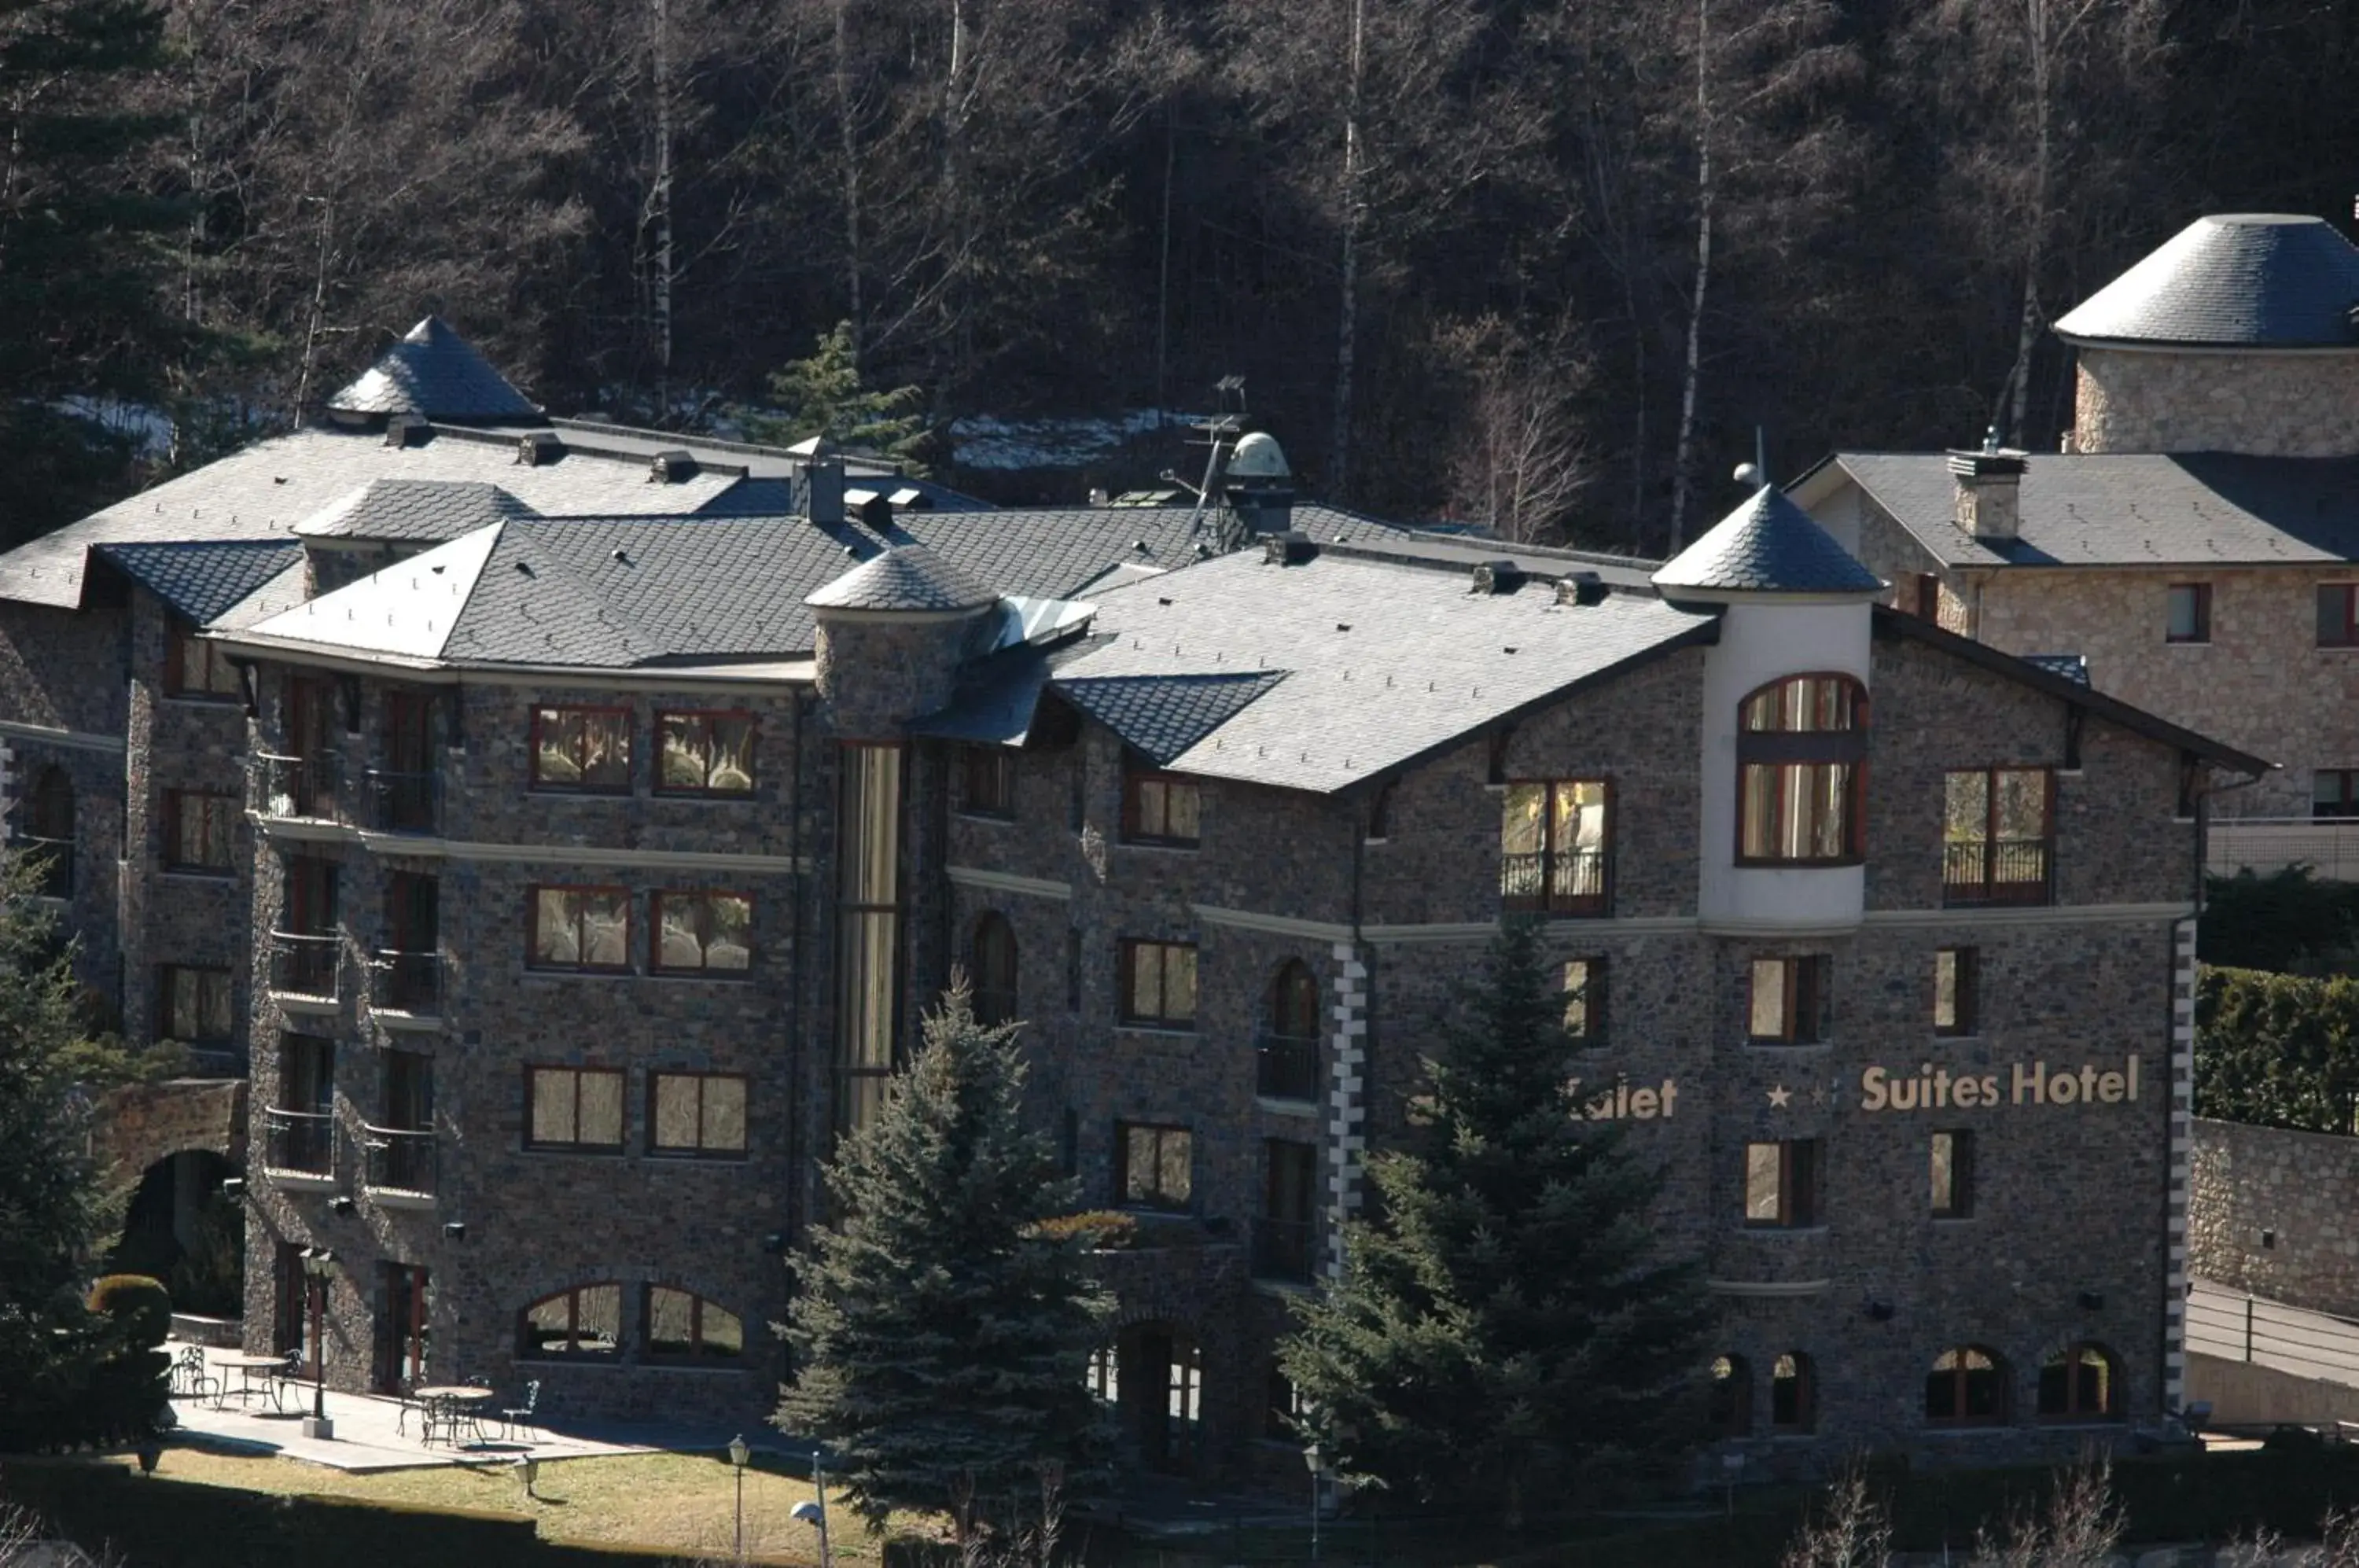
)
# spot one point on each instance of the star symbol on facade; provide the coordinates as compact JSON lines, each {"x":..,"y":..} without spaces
{"x":1780,"y":1094}
{"x":1819,"y":1095}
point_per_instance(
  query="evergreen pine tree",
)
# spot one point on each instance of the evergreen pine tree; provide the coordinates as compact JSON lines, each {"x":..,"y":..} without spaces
{"x":1504,"y":1330}
{"x":822,"y":396}
{"x":943,"y":1337}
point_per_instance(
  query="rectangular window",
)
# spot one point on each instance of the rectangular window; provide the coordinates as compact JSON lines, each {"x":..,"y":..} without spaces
{"x":2334,"y":793}
{"x":2338,"y":614}
{"x":307,"y":1073}
{"x":701,"y":754}
{"x":1158,"y":984}
{"x":696,"y":1115}
{"x":1282,"y":1237}
{"x":868,"y":890}
{"x":1158,"y":808}
{"x":581,"y":927}
{"x":990,"y":773}
{"x":1154,"y":1166}
{"x":1554,"y":846}
{"x":577,"y":1108}
{"x":1584,"y":999}
{"x":1997,"y":838}
{"x":1787,"y":1000}
{"x":199,"y":830}
{"x":584,"y":750}
{"x":1956,"y":981}
{"x":2188,"y":617}
{"x":702,"y":932}
{"x":195,"y":1003}
{"x":1954,"y":1175}
{"x":197,"y":669}
{"x":1781,"y":1185}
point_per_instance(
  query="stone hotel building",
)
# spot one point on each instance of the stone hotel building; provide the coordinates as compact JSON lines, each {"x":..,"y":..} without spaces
{"x":565,"y":828}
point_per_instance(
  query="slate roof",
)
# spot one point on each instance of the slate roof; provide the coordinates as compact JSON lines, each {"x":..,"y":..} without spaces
{"x":2128,"y":510}
{"x":2073,"y":667}
{"x":1768,"y":545}
{"x":1166,"y":716}
{"x":907,"y":577}
{"x":2234,"y":280}
{"x":414,"y":509}
{"x":995,"y":699}
{"x":204,"y":582}
{"x":435,"y":372}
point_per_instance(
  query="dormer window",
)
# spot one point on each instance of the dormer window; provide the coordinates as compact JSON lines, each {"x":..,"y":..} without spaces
{"x":1555,"y":846}
{"x":1802,"y":756}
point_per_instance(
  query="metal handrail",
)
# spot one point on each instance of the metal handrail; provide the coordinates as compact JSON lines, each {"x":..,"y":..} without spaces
{"x":400,"y":1159}
{"x":304,"y":787}
{"x":405,"y":982}
{"x":1997,"y":870}
{"x":1288,"y":1066}
{"x":404,"y":802}
{"x":306,"y":964}
{"x":302,"y":1141}
{"x":1282,"y":1250}
{"x":1557,"y":882}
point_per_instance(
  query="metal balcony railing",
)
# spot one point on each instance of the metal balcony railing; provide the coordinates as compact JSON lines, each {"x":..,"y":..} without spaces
{"x":404,"y":802}
{"x":52,"y":861}
{"x":400,"y":1159}
{"x":1996,"y":871}
{"x":1282,"y":1250}
{"x":302,"y":1141}
{"x":299,"y":786}
{"x":406,"y":983}
{"x":305,"y":964}
{"x":1564,"y":882}
{"x":1288,"y":1067}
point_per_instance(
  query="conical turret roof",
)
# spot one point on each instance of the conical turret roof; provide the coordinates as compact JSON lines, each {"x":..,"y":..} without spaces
{"x":2231,"y":280}
{"x":1767,"y":546}
{"x":907,"y":577}
{"x":435,"y":372}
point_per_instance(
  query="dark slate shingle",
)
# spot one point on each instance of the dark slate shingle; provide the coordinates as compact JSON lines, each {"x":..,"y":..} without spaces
{"x":435,"y":372}
{"x":907,"y":577}
{"x":414,"y":510}
{"x":1768,"y":545}
{"x":204,"y":581}
{"x":2232,"y":280}
{"x":1164,"y":715}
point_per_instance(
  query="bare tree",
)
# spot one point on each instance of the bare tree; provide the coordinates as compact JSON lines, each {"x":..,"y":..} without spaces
{"x":1848,"y":1528}
{"x":2079,"y":1528}
{"x":1521,"y":459}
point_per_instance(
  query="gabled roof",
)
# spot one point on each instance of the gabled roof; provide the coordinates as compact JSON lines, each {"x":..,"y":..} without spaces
{"x":1768,"y":545}
{"x":414,"y":509}
{"x":2232,"y":280}
{"x":2124,"y":509}
{"x":204,"y":582}
{"x":907,"y":577}
{"x":1165,"y":716}
{"x":435,"y":372}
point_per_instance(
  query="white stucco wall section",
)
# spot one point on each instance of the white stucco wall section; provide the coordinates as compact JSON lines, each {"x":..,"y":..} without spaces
{"x":1761,"y":641}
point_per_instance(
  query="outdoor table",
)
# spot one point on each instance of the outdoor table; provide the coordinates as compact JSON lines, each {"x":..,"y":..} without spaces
{"x":246,"y":1365}
{"x":452,"y":1402}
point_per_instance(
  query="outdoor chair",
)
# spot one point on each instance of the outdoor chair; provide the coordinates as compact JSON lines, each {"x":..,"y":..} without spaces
{"x":518,"y":1418}
{"x":191,"y":1378}
{"x":286,"y":1378}
{"x":405,"y":1399}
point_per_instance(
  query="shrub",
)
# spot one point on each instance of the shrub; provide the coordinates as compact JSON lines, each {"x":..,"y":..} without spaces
{"x":1103,"y":1229}
{"x":141,"y":1304}
{"x":2278,"y":1049}
{"x":2288,"y":922}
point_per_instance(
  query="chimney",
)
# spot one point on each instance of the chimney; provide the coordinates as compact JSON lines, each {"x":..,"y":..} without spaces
{"x":1989,"y":483}
{"x":822,"y":487}
{"x":1583,"y":588}
{"x":1499,"y":577}
{"x":539,"y":447}
{"x":672,"y":467}
{"x":406,"y":430}
{"x":1288,"y":549}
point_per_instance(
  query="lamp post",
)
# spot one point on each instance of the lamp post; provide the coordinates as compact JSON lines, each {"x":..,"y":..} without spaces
{"x":738,"y":1454}
{"x":318,"y":1263}
{"x":1316,"y":1458}
{"x":815,"y":1513}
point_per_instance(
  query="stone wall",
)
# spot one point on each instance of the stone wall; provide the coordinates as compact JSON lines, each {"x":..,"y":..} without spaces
{"x":2277,"y":1212}
{"x":2275,"y":405}
{"x":148,"y":1122}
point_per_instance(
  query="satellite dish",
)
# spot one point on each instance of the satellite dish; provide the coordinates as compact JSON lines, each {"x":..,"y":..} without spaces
{"x":1749,"y":475}
{"x":1257,"y":456}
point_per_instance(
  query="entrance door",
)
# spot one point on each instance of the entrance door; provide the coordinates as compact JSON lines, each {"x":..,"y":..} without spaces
{"x":308,"y":705}
{"x":290,"y":1320}
{"x":407,"y":784}
{"x":1162,"y":1400}
{"x":401,"y":1328}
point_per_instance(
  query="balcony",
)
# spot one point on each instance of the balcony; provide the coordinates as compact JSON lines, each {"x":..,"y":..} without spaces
{"x":408,"y":984}
{"x":400,"y":1162}
{"x":299,"y":1143}
{"x":1283,"y":1251}
{"x":1288,"y":1067}
{"x":1571,"y":883}
{"x":52,"y":861}
{"x":304,"y":787}
{"x":404,"y":802}
{"x":304,"y":964}
{"x":1996,"y":871}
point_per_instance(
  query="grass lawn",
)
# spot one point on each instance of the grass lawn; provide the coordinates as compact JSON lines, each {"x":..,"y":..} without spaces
{"x":672,"y":1502}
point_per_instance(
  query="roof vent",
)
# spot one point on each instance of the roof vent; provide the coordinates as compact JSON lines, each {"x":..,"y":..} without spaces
{"x":910,"y":499}
{"x":672,"y":467}
{"x":1583,"y":588}
{"x":1499,"y":577}
{"x":537,"y":448}
{"x":406,"y":430}
{"x":1289,"y":549}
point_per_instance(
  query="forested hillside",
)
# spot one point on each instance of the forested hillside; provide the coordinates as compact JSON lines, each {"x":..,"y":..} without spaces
{"x":1544,"y":263}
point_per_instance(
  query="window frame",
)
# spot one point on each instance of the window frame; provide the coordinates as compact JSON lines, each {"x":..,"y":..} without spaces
{"x":1124,"y":1197}
{"x":1778,"y":750}
{"x":2346,"y":801}
{"x":1803,"y":1419}
{"x":536,"y":965}
{"x":1960,"y":1414}
{"x":701,"y":1149}
{"x":706,"y":970}
{"x":1961,"y":1201}
{"x":2111,"y":1406}
{"x":534,"y":1145}
{"x":2348,"y":634}
{"x":1985,"y":890}
{"x":1798,"y":1163}
{"x":705,"y":792}
{"x":542,"y":711}
{"x":183,"y":637}
{"x":1126,"y":984}
{"x":1547,"y":901}
{"x":166,"y":976}
{"x":574,"y":1353}
{"x":2199,"y":616}
{"x":987,"y":782}
{"x":1136,"y":780}
{"x":696,"y":1355}
{"x":1730,"y":1414}
{"x":176,"y":805}
{"x":1006,"y":998}
{"x":1590,"y":1002}
{"x":1965,"y":992}
{"x":1805,"y":983}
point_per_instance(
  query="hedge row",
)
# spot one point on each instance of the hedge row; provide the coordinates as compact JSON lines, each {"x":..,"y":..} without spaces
{"x":2278,"y":1049}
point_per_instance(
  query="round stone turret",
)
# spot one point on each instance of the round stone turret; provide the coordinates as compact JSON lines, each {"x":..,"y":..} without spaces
{"x":892,"y":634}
{"x":432,"y":373}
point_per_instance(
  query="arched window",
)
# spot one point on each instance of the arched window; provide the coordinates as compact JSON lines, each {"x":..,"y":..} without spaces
{"x":580,"y":1322}
{"x":1967,"y":1387}
{"x":681,"y":1326}
{"x":1802,"y":763}
{"x":1294,"y":1002}
{"x":2080,"y":1383}
{"x":1793,"y":1393}
{"x":994,"y":970}
{"x":45,"y":828}
{"x":1731,"y":1404}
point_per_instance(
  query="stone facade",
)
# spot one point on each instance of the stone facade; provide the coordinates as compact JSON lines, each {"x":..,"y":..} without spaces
{"x":2295,"y":403}
{"x":2270,"y":1212}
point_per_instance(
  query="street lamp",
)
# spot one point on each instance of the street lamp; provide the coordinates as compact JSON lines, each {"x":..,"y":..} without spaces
{"x":738,"y":1454}
{"x":815,"y":1513}
{"x":1316,"y":1458}
{"x":318,"y":1264}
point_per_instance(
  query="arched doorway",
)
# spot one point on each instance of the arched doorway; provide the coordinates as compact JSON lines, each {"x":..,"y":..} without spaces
{"x":1160,"y":1395}
{"x":182,"y":1229}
